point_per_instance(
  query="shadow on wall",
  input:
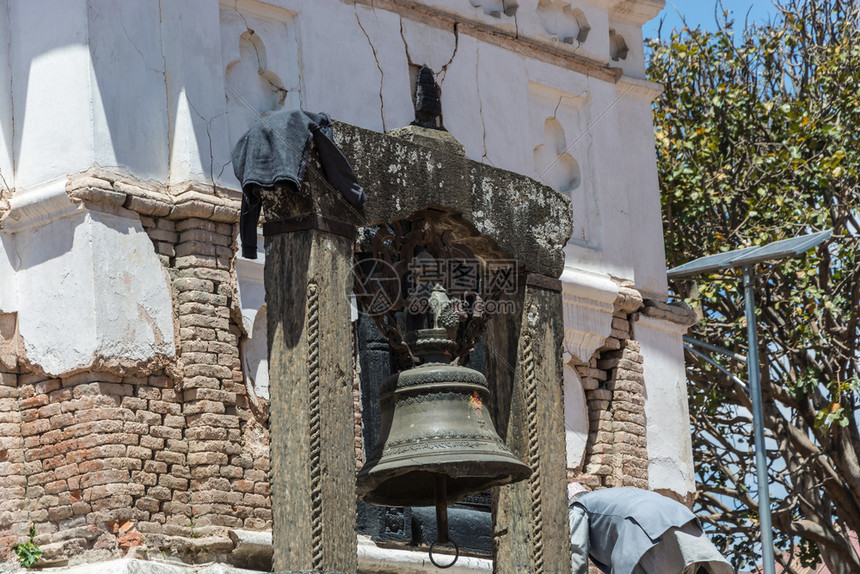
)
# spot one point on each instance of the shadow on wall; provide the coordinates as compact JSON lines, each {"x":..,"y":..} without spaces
{"x":555,"y":166}
{"x":252,"y":88}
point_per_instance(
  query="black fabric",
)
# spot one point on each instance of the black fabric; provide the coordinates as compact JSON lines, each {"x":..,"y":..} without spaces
{"x":274,"y":152}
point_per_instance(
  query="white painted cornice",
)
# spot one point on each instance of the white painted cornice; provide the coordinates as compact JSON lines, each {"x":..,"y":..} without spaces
{"x":639,"y":88}
{"x":38,"y":206}
{"x":588,"y":301}
{"x":634,"y":11}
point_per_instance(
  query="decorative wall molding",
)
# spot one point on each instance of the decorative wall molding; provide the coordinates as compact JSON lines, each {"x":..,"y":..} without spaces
{"x":675,"y":316}
{"x":639,"y":88}
{"x":588,"y":300}
{"x":190,"y":199}
{"x":37,"y":206}
{"x":634,"y":11}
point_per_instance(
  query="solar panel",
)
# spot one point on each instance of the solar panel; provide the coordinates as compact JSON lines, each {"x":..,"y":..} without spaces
{"x":750,"y":255}
{"x":707,"y":264}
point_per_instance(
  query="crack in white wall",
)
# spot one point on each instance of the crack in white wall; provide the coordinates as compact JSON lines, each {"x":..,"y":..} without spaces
{"x":134,"y":45}
{"x":481,"y":105}
{"x":406,"y":44}
{"x":208,"y":124}
{"x":444,"y":69}
{"x":378,"y":66}
{"x":171,"y":117}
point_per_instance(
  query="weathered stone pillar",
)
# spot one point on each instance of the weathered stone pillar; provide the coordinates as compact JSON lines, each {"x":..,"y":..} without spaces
{"x":530,"y":517}
{"x":310,"y":374}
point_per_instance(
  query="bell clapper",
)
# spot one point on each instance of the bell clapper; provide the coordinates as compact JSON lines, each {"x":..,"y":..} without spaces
{"x":442,"y":521}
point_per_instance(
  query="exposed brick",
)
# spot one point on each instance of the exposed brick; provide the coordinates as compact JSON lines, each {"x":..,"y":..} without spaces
{"x":105,"y":477}
{"x":152,"y":442}
{"x":633,"y":345}
{"x":36,"y":401}
{"x":170,"y":457}
{"x":599,"y":394}
{"x":32,"y":428}
{"x":203,"y":236}
{"x":160,"y":382}
{"x":610,"y":344}
{"x":210,"y":419}
{"x":144,"y":478}
{"x":148,"y":504}
{"x":140,"y":453}
{"x":206,"y":433}
{"x":164,"y":235}
{"x":164,"y":407}
{"x":256,"y":475}
{"x":174,"y":445}
{"x":172,"y":482}
{"x":205,"y":225}
{"x":155,"y":466}
{"x":174,"y":421}
{"x":41,"y":478}
{"x":160,"y":493}
{"x":203,"y":321}
{"x":27,"y":379}
{"x":200,"y":296}
{"x":165,"y":432}
{"x":243,"y":486}
{"x":213,"y":371}
{"x":201,"y":382}
{"x":198,"y":407}
{"x":207,"y":458}
{"x":192,"y":284}
{"x":231,"y":471}
{"x":210,"y":395}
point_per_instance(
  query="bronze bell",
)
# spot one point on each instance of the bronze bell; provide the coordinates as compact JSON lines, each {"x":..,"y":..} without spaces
{"x":437,"y":443}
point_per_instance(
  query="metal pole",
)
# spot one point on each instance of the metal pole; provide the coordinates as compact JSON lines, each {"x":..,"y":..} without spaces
{"x":715,"y":349}
{"x":758,"y":423}
{"x":718,"y":366}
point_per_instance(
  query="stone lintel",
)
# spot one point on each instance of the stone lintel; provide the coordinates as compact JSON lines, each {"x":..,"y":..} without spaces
{"x":526,"y":219}
{"x":543,"y":282}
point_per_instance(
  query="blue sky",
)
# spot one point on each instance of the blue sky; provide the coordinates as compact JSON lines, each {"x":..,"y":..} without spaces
{"x":701,"y":13}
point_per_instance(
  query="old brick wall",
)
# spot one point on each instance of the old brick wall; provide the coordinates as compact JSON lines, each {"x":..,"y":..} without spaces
{"x":13,"y":481}
{"x":616,"y":450}
{"x":102,"y":464}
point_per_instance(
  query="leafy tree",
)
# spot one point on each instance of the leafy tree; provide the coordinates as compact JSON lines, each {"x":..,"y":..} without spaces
{"x":758,"y":139}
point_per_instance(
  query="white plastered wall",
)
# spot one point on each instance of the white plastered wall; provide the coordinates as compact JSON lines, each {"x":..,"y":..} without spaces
{"x":7,"y":182}
{"x":575,"y":418}
{"x":670,"y":453}
{"x":89,"y":293}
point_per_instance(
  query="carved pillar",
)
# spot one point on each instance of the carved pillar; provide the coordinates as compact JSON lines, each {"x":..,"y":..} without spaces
{"x":310,"y":377}
{"x":530,"y":517}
